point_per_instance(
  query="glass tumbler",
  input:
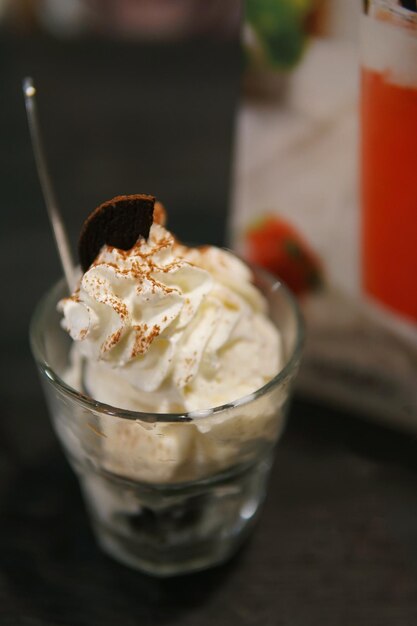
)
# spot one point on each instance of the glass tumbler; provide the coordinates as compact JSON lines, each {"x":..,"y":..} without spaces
{"x":389,"y":156}
{"x":169,"y":493}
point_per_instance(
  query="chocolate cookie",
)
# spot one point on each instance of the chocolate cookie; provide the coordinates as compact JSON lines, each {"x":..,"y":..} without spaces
{"x":118,"y":222}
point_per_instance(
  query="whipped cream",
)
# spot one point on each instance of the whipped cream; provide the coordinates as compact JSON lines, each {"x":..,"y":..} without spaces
{"x":167,"y":328}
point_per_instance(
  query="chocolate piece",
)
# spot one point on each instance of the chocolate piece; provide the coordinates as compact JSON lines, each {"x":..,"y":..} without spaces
{"x":118,"y":222}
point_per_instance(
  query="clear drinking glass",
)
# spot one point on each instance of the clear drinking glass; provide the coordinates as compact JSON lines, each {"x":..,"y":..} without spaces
{"x":169,"y":494}
{"x":389,"y":156}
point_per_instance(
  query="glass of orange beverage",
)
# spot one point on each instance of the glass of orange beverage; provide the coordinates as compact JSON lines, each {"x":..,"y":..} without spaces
{"x":389,"y":156}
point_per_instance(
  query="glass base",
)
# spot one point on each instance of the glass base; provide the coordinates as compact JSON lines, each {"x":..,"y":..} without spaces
{"x":175,"y":530}
{"x":201,"y":557}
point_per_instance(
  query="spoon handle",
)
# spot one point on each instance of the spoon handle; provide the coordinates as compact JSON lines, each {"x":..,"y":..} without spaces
{"x":54,"y":214}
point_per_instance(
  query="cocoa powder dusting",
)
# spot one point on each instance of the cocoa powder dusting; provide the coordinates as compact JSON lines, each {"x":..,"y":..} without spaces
{"x":111,"y":341}
{"x":143,"y":338}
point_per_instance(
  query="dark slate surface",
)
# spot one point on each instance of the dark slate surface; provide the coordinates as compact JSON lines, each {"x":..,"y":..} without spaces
{"x":337,"y":541}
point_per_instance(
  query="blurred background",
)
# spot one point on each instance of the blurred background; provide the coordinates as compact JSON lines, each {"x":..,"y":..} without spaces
{"x":100,"y":75}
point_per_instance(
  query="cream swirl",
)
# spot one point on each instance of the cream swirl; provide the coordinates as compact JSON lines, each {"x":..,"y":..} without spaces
{"x":164,"y":327}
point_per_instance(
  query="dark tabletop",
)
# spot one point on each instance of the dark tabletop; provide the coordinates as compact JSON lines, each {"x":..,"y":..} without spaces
{"x":337,"y":540}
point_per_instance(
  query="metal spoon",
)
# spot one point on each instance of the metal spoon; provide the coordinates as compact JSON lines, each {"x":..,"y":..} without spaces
{"x":61,"y":238}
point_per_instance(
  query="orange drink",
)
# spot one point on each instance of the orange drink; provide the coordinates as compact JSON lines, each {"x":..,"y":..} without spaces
{"x":389,"y":157}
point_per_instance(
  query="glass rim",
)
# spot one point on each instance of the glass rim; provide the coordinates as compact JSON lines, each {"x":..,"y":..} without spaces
{"x":395,"y":9}
{"x":50,"y":299}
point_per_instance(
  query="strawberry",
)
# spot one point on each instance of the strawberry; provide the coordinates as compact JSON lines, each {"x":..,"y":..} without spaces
{"x":274,"y":244}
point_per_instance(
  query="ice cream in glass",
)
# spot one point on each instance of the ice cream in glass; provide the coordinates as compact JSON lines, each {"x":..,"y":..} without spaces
{"x":168,"y":372}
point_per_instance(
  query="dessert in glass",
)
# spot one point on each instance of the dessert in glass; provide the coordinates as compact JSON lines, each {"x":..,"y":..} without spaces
{"x":167,"y":373}
{"x":389,"y":156}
